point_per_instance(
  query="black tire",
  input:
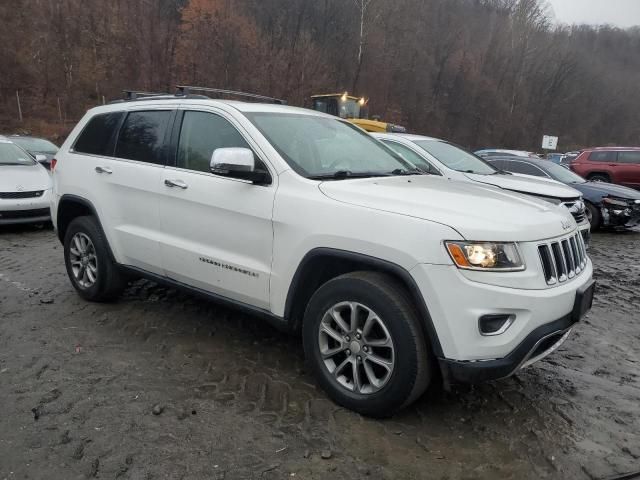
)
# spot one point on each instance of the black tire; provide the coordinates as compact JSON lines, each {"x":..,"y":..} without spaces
{"x":109,"y":281}
{"x":413,"y":363}
{"x":599,"y":177}
{"x":595,"y":217}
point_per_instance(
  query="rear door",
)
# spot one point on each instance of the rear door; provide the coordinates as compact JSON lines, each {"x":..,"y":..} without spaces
{"x":133,"y":177}
{"x":217,"y":231}
{"x":629,"y":168}
{"x":601,"y":161}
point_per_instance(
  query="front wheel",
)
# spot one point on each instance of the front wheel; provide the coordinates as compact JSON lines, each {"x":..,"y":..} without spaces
{"x":364,"y":343}
{"x":600,"y":177}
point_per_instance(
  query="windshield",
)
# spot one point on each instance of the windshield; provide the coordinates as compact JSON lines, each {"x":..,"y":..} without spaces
{"x":318,"y":147}
{"x":39,"y":145}
{"x":349,"y":109}
{"x":562,"y":174}
{"x":11,"y":154}
{"x":456,"y":158}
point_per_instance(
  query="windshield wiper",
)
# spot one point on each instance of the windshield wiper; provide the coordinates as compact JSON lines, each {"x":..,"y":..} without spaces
{"x":415,"y":171}
{"x":501,"y":172}
{"x":342,"y":174}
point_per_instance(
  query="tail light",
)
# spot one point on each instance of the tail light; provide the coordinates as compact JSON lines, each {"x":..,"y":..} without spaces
{"x":53,"y":164}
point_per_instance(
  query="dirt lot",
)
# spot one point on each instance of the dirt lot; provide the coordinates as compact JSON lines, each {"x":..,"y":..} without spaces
{"x":79,"y":383}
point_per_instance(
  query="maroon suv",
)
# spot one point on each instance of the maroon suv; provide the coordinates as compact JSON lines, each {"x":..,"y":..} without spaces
{"x":610,"y":164}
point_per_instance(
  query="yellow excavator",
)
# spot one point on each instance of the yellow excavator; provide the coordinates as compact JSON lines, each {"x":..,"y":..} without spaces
{"x":353,"y":109}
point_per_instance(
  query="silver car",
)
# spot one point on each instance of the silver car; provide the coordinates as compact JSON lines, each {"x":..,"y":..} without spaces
{"x":25,"y":186}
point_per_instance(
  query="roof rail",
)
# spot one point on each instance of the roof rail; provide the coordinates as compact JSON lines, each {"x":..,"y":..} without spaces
{"x":136,"y":94}
{"x":184,"y":90}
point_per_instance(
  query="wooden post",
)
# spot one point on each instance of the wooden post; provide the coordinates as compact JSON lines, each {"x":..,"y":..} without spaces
{"x":19,"y":107}
{"x":60,"y":111}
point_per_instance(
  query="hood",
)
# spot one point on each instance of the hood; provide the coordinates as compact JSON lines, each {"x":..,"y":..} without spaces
{"x":29,"y":177}
{"x":527,"y":184}
{"x":596,"y":190}
{"x":477,"y":212}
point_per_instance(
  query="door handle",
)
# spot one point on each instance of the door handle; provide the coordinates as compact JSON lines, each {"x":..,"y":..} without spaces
{"x":176,"y":183}
{"x":104,"y":170}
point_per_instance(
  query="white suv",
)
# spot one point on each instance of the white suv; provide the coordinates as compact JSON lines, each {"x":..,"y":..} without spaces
{"x":389,"y":274}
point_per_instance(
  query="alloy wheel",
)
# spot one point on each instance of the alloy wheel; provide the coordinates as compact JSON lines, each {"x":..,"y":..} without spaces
{"x":356,"y":347}
{"x":83,"y":259}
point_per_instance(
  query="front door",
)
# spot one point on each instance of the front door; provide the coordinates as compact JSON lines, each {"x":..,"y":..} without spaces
{"x":217,"y":231}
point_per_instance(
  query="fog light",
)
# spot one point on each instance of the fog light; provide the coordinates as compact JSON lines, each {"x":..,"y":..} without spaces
{"x":495,"y":324}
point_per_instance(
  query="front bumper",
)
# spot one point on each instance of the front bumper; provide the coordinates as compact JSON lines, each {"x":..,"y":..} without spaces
{"x":458,"y":300}
{"x":536,"y":345}
{"x":26,"y":210}
{"x":620,"y":217}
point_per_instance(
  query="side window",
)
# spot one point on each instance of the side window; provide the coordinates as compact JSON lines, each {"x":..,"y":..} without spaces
{"x":411,"y":156}
{"x":629,"y":157}
{"x":525,"y":169}
{"x":200,"y":135}
{"x":142,"y":136}
{"x":98,"y":134}
{"x":608,"y":157}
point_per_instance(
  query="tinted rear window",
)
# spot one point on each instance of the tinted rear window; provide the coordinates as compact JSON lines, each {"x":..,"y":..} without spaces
{"x":98,"y":133}
{"x":629,"y":157}
{"x":142,"y":136}
{"x":524,"y":168}
{"x":603,"y":157}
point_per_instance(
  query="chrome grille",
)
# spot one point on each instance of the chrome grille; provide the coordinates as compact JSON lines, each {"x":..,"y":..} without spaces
{"x":563,"y":259}
{"x":577,"y":209}
{"x":12,"y":195}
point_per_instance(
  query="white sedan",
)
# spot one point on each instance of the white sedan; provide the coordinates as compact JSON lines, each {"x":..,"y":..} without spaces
{"x":25,"y":187}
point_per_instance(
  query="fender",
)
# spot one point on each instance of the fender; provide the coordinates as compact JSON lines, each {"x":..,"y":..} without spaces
{"x":87,"y":204}
{"x":376,"y":264}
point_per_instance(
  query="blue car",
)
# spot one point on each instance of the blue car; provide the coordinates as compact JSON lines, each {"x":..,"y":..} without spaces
{"x":608,"y":205}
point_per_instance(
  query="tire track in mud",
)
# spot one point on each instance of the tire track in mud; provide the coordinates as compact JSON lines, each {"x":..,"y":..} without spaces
{"x":252,"y":398}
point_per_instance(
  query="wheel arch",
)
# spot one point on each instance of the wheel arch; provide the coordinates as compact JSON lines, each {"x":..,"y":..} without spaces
{"x":322,"y":264}
{"x":600,"y":172}
{"x":72,"y":206}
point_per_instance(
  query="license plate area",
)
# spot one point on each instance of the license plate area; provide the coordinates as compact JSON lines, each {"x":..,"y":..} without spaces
{"x":584,"y":301}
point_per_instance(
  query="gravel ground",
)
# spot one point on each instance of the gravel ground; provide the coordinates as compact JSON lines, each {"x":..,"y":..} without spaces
{"x":165,"y":385}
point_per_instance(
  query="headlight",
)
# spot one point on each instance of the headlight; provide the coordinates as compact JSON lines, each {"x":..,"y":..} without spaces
{"x":613,"y":202}
{"x":490,"y":256}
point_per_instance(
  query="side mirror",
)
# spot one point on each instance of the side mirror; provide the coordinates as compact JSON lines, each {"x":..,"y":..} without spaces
{"x":237,"y":163}
{"x":41,"y":158}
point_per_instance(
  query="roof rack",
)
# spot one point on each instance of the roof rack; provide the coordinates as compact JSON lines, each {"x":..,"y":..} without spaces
{"x":184,"y":90}
{"x":137,"y":94}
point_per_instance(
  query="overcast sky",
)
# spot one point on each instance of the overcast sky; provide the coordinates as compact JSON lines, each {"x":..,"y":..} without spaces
{"x":622,"y":13}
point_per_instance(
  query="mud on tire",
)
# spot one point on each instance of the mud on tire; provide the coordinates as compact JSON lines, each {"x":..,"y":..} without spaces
{"x":88,"y":262}
{"x":351,"y":366}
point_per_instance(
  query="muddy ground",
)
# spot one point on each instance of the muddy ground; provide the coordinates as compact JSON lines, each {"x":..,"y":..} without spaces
{"x":79,"y":383}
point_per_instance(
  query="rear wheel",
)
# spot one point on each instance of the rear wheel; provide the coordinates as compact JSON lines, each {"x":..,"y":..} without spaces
{"x":600,"y":177}
{"x":594,"y":216}
{"x":364,"y":343}
{"x":89,"y":266}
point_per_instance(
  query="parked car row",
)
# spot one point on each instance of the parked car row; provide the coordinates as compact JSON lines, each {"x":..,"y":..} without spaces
{"x":439,"y":157}
{"x":394,"y":258}
{"x":25,"y":185}
{"x":607,"y":204}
